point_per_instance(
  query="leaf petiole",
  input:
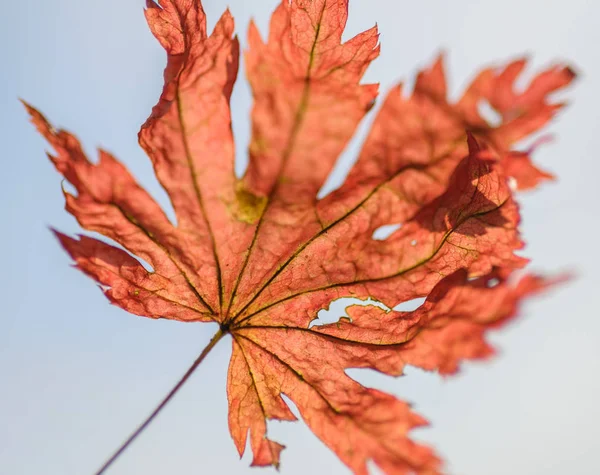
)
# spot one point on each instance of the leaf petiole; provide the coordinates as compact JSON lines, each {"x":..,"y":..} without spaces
{"x":214,"y":340}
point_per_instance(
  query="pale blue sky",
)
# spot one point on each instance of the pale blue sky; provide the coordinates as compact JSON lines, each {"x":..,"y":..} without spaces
{"x":77,"y":375}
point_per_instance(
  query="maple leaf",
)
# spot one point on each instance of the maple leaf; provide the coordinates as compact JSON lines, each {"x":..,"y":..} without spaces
{"x":261,"y":255}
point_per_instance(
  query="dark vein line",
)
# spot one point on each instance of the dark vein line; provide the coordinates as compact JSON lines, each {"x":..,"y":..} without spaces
{"x":325,"y":400}
{"x":294,"y":372}
{"x":155,"y":293}
{"x":198,"y":193}
{"x":190,"y":162}
{"x":150,"y":236}
{"x":342,"y":284}
{"x":329,"y":226}
{"x":326,"y":336}
{"x":298,"y":118}
{"x":302,"y":380}
{"x":421,"y":167}
{"x":260,"y":403}
{"x":377,"y":279}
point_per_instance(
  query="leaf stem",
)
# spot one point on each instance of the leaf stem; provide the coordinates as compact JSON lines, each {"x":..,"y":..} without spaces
{"x":215,"y":339}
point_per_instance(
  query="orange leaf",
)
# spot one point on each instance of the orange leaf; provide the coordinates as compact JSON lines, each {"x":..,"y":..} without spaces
{"x":261,"y":255}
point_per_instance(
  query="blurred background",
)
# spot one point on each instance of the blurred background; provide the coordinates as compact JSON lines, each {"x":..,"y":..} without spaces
{"x":77,"y":375}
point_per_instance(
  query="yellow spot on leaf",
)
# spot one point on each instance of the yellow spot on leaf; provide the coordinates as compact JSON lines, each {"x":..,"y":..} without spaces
{"x":248,"y":206}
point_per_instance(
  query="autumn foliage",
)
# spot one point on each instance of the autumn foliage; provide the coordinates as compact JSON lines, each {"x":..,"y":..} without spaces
{"x":261,"y":254}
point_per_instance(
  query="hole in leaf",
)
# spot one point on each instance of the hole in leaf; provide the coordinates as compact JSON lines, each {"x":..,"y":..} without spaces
{"x":385,"y":231}
{"x":413,"y":242}
{"x":488,"y":113}
{"x":491,"y":283}
{"x":337,"y":310}
{"x":410,"y":305}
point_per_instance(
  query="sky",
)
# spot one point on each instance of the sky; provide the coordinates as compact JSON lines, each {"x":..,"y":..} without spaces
{"x":77,"y":375}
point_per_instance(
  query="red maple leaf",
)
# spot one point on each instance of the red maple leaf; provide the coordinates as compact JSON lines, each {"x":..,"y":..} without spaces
{"x":261,"y":255}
